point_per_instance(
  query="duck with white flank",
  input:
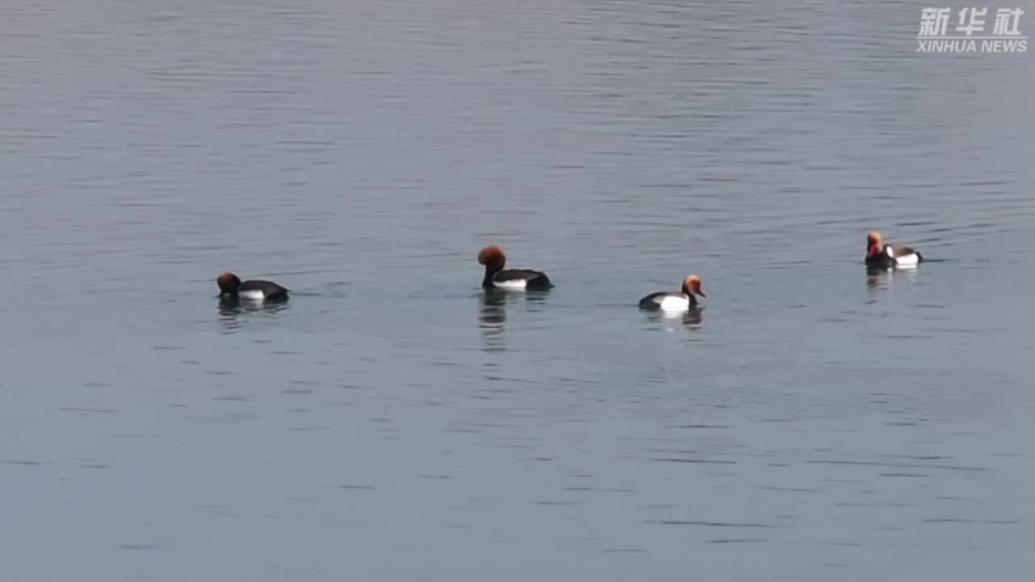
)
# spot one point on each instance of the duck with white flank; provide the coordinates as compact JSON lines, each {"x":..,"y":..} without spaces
{"x":675,"y":302}
{"x":496,"y":277}
{"x":231,"y":287}
{"x":881,"y":255}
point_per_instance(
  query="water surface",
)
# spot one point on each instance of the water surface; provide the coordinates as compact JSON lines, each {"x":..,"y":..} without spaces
{"x":391,"y":422}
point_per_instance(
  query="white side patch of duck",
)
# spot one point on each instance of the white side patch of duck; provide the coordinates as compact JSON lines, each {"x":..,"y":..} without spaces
{"x":907,"y":261}
{"x":253,"y":294}
{"x":512,"y":285}
{"x":673,"y":303}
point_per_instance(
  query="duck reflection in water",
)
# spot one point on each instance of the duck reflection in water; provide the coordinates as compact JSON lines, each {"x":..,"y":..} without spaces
{"x":232,"y":308}
{"x":690,"y":319}
{"x":492,"y":314}
{"x":880,"y":280}
{"x":877,"y":279}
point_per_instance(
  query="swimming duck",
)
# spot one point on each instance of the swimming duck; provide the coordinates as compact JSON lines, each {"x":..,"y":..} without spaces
{"x":231,"y":287}
{"x":675,"y":302}
{"x":496,"y":277}
{"x":881,"y":255}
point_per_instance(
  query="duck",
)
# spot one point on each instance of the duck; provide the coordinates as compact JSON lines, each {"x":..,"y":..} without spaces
{"x":675,"y":301}
{"x":496,"y":277}
{"x":231,"y":287}
{"x":881,"y":255}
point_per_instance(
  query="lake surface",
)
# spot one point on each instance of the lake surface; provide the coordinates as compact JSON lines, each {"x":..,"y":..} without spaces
{"x":391,"y":423}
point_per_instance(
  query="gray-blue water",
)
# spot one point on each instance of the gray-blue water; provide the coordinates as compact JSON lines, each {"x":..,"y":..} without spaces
{"x":391,"y":424}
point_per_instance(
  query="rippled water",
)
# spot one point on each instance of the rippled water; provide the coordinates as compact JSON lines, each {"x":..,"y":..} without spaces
{"x":390,"y":422}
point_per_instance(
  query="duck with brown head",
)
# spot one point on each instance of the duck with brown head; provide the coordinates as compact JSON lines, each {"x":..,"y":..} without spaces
{"x":881,"y":255}
{"x":496,"y":277}
{"x":673,"y":302}
{"x":231,"y":287}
